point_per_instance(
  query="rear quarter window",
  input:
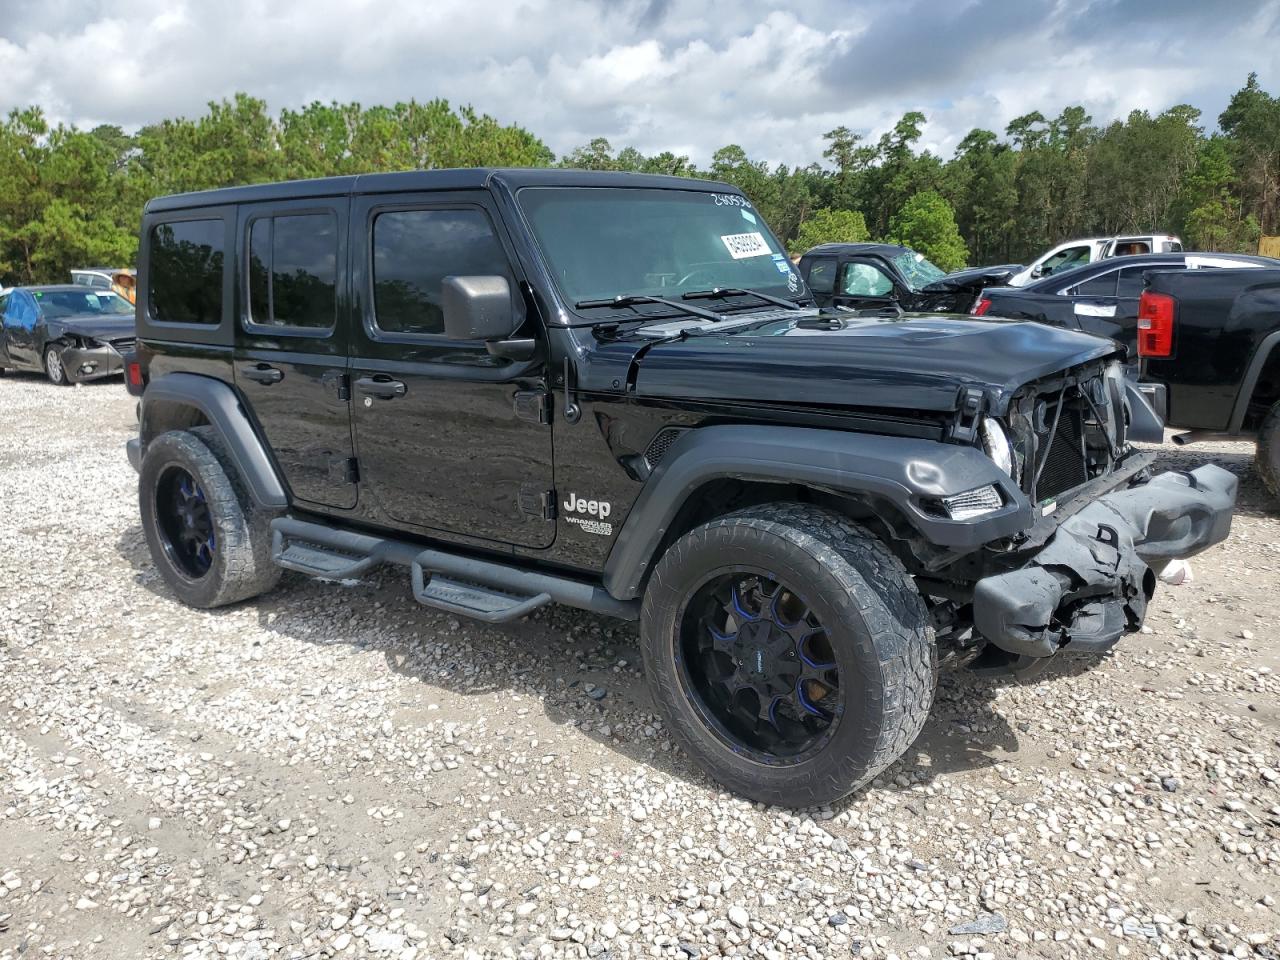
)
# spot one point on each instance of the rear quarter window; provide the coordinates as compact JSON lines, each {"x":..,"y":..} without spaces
{"x":185,"y":283}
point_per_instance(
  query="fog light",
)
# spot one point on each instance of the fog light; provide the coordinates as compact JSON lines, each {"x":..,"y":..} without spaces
{"x":973,"y":503}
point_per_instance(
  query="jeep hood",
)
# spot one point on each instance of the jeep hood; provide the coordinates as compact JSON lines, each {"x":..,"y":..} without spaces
{"x":912,"y":363}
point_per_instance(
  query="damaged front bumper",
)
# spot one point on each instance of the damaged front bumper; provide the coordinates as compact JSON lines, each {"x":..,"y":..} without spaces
{"x":1090,"y":583}
{"x":90,"y":363}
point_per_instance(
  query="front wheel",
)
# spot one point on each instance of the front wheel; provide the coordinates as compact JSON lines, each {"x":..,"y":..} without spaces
{"x":789,"y":652}
{"x":53,"y":367}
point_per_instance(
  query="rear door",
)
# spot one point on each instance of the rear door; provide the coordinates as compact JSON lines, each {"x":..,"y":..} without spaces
{"x":450,"y":438}
{"x":291,"y":342}
{"x":822,"y":279}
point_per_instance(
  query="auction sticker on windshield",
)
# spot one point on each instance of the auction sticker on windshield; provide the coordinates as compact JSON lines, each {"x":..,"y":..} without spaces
{"x":743,"y":245}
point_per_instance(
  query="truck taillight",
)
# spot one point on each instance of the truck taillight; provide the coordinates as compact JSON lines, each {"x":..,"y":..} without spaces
{"x":1155,"y":324}
{"x":980,"y":308}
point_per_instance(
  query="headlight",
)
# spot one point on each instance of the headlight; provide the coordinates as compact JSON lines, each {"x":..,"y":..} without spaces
{"x":995,"y":443}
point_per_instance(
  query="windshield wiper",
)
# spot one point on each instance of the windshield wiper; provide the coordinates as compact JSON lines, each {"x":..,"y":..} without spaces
{"x":630,"y":299}
{"x":718,"y":292}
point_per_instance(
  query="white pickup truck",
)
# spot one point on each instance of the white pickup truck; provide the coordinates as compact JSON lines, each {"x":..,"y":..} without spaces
{"x":1077,"y":253}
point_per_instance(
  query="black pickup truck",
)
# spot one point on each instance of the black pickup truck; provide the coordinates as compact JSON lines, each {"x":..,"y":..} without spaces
{"x":1209,"y":343}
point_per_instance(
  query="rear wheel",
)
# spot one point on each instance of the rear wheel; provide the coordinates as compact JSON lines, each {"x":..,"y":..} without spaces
{"x":1267,"y":459}
{"x":53,"y":367}
{"x":207,"y":539}
{"x":789,"y":651}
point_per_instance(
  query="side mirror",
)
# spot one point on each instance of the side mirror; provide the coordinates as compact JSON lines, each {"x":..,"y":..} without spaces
{"x":1037,"y":271}
{"x":477,"y":308}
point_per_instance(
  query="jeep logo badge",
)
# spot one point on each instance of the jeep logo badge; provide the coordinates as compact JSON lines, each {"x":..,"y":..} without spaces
{"x":589,"y":515}
{"x":590,"y":508}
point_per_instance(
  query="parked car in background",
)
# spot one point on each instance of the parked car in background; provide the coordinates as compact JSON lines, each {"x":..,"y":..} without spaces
{"x":1101,"y":298}
{"x":870,"y":275}
{"x":1078,"y":253}
{"x":67,"y":332}
{"x":1209,"y":344}
{"x":121,"y":280}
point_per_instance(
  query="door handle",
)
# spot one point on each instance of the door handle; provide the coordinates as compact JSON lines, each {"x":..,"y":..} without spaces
{"x":383,"y":388}
{"x":263,"y":374}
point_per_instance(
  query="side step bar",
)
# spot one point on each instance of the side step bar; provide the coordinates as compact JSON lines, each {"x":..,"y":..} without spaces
{"x":482,"y":589}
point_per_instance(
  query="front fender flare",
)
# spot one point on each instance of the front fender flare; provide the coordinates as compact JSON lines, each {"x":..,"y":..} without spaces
{"x":218,"y":402}
{"x":903,"y":470}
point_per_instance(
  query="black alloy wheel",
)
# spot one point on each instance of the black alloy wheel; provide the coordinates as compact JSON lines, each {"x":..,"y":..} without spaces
{"x":186,"y":523}
{"x":758,"y":665}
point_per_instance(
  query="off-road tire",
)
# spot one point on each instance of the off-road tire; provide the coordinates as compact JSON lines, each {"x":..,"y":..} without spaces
{"x":242,"y":566}
{"x":56,"y":372}
{"x":879,"y":627}
{"x":1267,"y":458}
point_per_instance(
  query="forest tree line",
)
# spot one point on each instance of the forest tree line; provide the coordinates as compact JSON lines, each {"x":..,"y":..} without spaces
{"x":72,"y":197}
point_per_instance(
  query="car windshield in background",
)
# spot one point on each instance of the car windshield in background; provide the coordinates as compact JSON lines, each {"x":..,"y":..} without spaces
{"x":918,"y":271}
{"x":68,"y":303}
{"x":606,"y":242}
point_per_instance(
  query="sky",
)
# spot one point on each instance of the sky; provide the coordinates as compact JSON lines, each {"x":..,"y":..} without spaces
{"x":679,"y":75}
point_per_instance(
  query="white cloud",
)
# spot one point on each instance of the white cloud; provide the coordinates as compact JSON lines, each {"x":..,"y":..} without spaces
{"x":682,"y":75}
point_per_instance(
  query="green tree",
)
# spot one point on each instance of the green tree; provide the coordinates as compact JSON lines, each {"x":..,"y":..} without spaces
{"x":1209,"y":209}
{"x":1251,"y":124}
{"x":830,"y":226}
{"x":927,"y":224}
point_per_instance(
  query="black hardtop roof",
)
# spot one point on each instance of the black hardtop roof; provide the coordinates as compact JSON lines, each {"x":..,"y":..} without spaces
{"x":837,"y":249}
{"x":410,"y":180}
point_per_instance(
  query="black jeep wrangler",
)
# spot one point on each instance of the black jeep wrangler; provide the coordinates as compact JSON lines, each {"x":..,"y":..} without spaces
{"x":613,"y":391}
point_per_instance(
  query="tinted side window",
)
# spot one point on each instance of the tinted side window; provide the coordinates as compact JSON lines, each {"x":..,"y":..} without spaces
{"x":414,"y":250}
{"x":293,"y":270}
{"x":1103,"y":285}
{"x":186,"y":272}
{"x":1131,"y":280}
{"x":822,"y":276}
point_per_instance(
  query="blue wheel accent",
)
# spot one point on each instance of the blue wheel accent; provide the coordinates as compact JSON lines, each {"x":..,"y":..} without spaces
{"x":805,"y":658}
{"x":803,"y":699}
{"x":775,"y":616}
{"x":737,"y":606}
{"x":721,"y":638}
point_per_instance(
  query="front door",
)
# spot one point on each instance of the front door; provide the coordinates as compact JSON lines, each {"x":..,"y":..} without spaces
{"x":863,"y":284}
{"x":450,"y":438}
{"x":20,"y":319}
{"x":291,"y":342}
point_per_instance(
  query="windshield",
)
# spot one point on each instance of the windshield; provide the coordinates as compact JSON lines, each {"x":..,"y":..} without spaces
{"x":66,"y":303}
{"x":918,"y":271}
{"x":606,"y":242}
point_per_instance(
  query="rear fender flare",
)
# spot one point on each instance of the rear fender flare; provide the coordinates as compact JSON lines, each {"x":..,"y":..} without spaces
{"x":1251,"y":375}
{"x":903,"y":470}
{"x":220,"y":406}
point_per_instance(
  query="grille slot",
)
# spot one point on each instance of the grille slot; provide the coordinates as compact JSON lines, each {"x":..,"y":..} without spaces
{"x":662,"y":442}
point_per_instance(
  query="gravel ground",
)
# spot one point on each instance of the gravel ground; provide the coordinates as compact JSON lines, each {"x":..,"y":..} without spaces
{"x":336,"y":771}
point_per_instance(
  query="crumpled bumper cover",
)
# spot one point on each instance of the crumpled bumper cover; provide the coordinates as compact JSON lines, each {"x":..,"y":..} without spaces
{"x":89,"y":363}
{"x":1089,"y":585}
